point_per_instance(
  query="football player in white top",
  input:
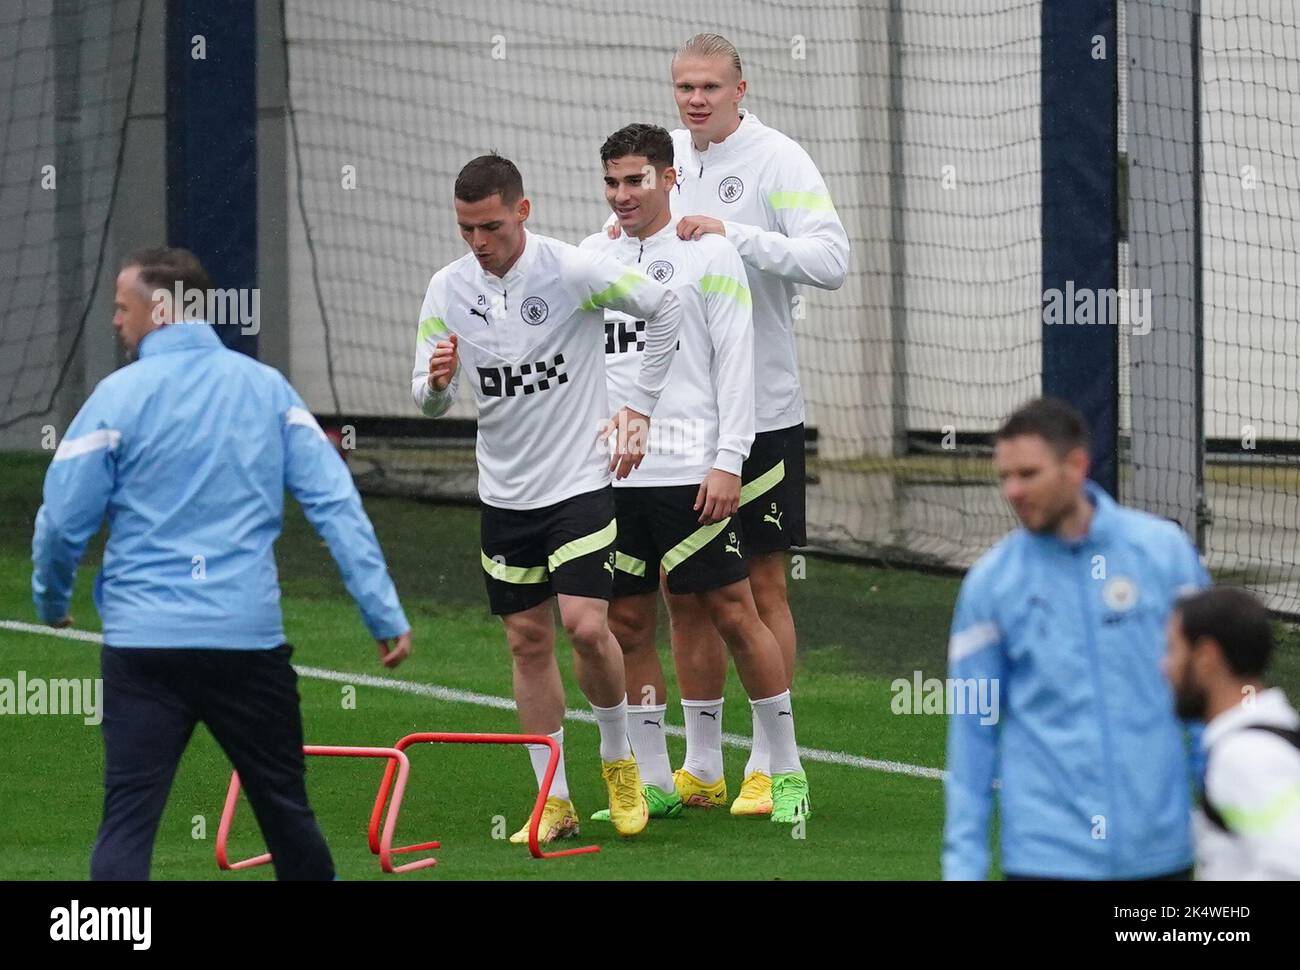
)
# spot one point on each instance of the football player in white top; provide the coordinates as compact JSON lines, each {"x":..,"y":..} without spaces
{"x":678,"y":513}
{"x":760,"y":190}
{"x":521,"y":319}
{"x":1248,"y":825}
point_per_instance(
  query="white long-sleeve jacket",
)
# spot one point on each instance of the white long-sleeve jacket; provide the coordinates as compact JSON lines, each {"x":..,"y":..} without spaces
{"x":532,"y":345}
{"x":705,"y":417}
{"x":1252,"y":780}
{"x":778,"y":214}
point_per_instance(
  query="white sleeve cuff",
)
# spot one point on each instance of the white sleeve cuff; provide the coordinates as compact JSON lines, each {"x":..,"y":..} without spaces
{"x":729,"y":461}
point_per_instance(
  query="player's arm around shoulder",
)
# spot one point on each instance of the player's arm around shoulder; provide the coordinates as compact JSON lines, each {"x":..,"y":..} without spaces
{"x":598,"y":282}
{"x":807,"y":243}
{"x":437,"y":352}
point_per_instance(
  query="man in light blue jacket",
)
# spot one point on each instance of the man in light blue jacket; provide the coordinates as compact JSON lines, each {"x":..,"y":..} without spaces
{"x":188,"y":452}
{"x":1065,"y":617}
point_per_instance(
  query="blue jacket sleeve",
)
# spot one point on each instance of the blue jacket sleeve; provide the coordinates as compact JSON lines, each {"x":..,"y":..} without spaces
{"x":316,"y":476}
{"x":78,"y":486}
{"x":975,"y":650}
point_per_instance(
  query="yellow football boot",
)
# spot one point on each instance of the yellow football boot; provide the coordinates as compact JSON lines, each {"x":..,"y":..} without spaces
{"x":696,"y":793}
{"x":755,"y":796}
{"x":559,"y":821}
{"x":627,"y":805}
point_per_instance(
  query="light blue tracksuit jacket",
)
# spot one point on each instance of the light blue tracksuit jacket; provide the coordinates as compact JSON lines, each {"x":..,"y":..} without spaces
{"x":1094,"y":767}
{"x":188,"y":451}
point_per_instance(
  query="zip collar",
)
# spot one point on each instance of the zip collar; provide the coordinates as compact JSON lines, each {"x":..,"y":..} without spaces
{"x":514,"y":278}
{"x":721,"y":151}
{"x":1101,"y":528}
{"x":649,"y":243}
{"x":1269,"y":707}
{"x":181,"y":335}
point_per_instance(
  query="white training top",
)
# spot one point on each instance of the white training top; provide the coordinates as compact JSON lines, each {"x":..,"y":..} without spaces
{"x":777,"y":212}
{"x":705,"y":418}
{"x":1253,"y":778}
{"x":532,"y":344}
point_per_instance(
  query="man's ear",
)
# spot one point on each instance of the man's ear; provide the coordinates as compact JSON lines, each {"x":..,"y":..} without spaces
{"x":1079,"y":462}
{"x":523,"y":209}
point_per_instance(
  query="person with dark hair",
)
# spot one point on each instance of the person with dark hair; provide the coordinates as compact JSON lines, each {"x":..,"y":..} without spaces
{"x":1248,"y":826}
{"x":522,"y":316}
{"x":1062,"y":622}
{"x":761,"y":191}
{"x":188,"y":451}
{"x":679,"y":515}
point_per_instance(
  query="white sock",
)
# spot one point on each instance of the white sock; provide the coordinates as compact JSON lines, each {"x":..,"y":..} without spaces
{"x":612,"y":722}
{"x":540,"y":755}
{"x":774,"y":717}
{"x":760,"y":755}
{"x":703,"y":739}
{"x":645,"y":729}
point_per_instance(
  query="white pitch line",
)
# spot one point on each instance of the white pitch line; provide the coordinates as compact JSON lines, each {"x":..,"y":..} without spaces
{"x":453,"y":696}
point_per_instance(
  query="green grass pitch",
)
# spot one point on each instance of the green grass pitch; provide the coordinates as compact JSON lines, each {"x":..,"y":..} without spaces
{"x":859,"y":629}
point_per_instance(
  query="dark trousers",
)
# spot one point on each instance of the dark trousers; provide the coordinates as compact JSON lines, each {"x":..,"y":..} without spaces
{"x":1182,"y":875}
{"x":153,"y":697}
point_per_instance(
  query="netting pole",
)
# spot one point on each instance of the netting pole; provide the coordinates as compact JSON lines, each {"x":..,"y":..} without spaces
{"x":1165,"y":253}
{"x":212,"y":144}
{"x":70,"y":213}
{"x":1080,"y":217}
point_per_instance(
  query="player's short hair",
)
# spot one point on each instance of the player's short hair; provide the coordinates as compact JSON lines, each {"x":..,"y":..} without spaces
{"x":1051,"y":419}
{"x":162,"y":267}
{"x":711,"y":45}
{"x":490,"y":175}
{"x":1236,"y":621}
{"x":650,"y":141}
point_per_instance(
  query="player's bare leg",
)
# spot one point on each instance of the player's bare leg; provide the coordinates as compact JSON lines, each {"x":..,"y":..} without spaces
{"x":598,"y":658}
{"x":598,"y":662}
{"x":539,"y":696}
{"x":539,"y":692}
{"x":700,"y":657}
{"x":762,"y":671}
{"x":632,"y":620}
{"x":767,"y":580}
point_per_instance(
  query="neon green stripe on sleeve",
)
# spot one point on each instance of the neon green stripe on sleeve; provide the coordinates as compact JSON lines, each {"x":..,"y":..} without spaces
{"x":812,"y":201}
{"x":620,"y":288}
{"x":430,"y":327}
{"x":726,"y":286}
{"x":1264,"y":819}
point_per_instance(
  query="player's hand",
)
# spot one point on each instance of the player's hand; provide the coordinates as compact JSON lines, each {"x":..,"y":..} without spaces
{"x":693,"y":227}
{"x":614,"y":230}
{"x":67,"y":621}
{"x":394,"y":650}
{"x":718,"y":497}
{"x":443,"y":364}
{"x":633,"y":430}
